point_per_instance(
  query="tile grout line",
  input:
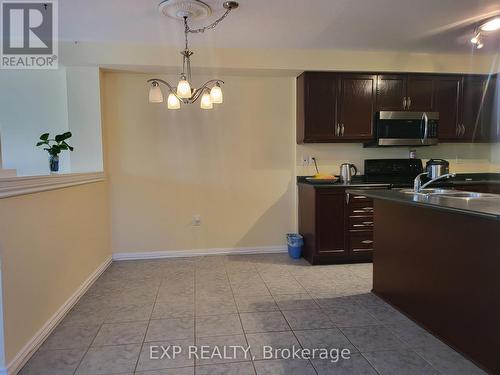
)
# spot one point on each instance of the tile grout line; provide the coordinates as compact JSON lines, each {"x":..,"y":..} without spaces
{"x":147,"y":328}
{"x":339,"y":328}
{"x":286,"y":320}
{"x":239,"y":317}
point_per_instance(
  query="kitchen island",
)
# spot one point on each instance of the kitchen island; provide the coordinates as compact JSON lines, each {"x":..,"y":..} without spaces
{"x":437,"y":259}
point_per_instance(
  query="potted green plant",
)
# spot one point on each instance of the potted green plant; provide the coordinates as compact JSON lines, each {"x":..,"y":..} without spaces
{"x":54,"y":147}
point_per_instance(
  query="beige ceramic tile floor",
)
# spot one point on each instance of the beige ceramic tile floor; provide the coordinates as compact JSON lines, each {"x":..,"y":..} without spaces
{"x":243,"y":300}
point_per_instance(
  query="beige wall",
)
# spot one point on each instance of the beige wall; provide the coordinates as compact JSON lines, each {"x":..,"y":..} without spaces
{"x":50,"y":243}
{"x":233,"y":165}
{"x":463,"y":158}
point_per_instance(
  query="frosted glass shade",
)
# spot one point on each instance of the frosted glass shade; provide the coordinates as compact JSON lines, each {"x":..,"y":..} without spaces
{"x":155,"y":94}
{"x":206,"y":101}
{"x":183,"y":89}
{"x":173,"y":102}
{"x":216,"y":95}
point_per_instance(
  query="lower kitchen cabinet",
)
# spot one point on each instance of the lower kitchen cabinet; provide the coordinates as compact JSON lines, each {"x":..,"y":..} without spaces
{"x":337,"y":226}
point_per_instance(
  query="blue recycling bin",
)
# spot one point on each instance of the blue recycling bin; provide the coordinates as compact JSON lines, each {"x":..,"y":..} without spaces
{"x":295,"y":242}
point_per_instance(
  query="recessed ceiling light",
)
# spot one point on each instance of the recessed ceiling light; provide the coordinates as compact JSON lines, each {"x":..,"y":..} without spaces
{"x":491,"y":25}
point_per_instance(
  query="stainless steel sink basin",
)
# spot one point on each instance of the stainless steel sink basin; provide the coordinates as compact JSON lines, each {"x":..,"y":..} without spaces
{"x":447,"y":193}
{"x":428,"y":191}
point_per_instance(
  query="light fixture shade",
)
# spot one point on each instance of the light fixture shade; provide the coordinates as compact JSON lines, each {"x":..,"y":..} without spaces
{"x":491,"y":25}
{"x":206,"y":101}
{"x":155,"y":94}
{"x":216,"y":94}
{"x":173,"y":102}
{"x":479,"y":45}
{"x":183,"y":89}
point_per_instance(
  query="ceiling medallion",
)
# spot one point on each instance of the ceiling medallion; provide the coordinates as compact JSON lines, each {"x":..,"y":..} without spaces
{"x":210,"y":92}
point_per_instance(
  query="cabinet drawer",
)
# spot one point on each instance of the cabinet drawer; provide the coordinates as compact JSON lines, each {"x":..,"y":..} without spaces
{"x":364,"y":223}
{"x":361,"y":208}
{"x":361,"y":243}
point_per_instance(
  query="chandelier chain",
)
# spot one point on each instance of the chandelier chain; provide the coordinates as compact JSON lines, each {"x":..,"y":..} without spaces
{"x":211,"y":26}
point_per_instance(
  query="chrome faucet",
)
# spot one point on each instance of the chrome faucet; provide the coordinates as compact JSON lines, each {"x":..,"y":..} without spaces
{"x":417,"y":184}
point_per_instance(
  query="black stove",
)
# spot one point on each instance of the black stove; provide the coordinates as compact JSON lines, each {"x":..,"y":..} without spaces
{"x":398,"y":172}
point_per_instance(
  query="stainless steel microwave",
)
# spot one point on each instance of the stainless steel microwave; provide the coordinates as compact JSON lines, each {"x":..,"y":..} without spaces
{"x":398,"y":128}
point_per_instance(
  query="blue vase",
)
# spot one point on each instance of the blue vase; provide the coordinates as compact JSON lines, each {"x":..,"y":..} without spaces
{"x":54,"y":163}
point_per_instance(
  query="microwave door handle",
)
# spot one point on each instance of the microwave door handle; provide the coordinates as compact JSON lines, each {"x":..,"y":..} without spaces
{"x":426,"y":127}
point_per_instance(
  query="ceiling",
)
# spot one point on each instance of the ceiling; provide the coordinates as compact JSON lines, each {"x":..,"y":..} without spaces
{"x":397,"y":25}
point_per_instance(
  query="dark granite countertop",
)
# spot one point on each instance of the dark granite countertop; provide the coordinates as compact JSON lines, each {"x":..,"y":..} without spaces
{"x":488,"y":207}
{"x":460,"y":179}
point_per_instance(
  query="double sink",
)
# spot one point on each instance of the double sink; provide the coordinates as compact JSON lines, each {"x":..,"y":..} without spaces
{"x":447,"y":193}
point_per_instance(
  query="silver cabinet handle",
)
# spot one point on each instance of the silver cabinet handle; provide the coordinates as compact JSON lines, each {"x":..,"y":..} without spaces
{"x":409,"y":102}
{"x":336,"y":130}
{"x":463,"y":130}
{"x":368,"y":223}
{"x":343,"y":128}
{"x":347,"y":198}
{"x":457,"y":130}
{"x":367,"y":242}
{"x":359,"y":197}
{"x":404,"y":102}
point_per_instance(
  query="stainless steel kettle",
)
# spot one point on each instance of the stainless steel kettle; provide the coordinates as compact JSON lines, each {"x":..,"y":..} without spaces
{"x":347,"y":172}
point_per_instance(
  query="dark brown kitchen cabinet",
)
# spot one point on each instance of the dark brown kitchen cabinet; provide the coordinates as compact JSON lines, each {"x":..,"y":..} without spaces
{"x":334,"y":107}
{"x":447,"y":96}
{"x":337,"y":226}
{"x":356,"y":105}
{"x":490,"y":111}
{"x":391,"y":92}
{"x":316,"y":107}
{"x":420,"y":93}
{"x":330,"y":207}
{"x":403,"y":92}
{"x":472,"y":99}
{"x":340,"y":107}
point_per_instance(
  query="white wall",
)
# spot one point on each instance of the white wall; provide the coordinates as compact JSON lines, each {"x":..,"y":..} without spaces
{"x":84,"y":118}
{"x":35,"y":102}
{"x":31,"y":103}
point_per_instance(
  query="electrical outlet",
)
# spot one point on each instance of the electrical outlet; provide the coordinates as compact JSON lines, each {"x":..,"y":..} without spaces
{"x":307,"y":160}
{"x":196,"y":222}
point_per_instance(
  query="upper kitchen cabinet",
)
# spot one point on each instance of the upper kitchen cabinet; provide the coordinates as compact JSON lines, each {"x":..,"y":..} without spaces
{"x":402,"y":92}
{"x":335,"y":107}
{"x":316,"y":107}
{"x":356,"y":105}
{"x":420,"y":93}
{"x":490,"y":111}
{"x":391,"y":92}
{"x":447,"y":96}
{"x":474,"y":91}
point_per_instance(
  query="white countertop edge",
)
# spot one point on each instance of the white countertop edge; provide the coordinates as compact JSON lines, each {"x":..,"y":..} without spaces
{"x":20,"y":185}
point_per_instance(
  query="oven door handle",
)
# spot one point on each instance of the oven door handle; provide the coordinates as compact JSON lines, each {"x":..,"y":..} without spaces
{"x":426,"y":127}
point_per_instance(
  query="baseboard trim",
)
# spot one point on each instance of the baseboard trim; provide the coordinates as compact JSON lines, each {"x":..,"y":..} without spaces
{"x":199,"y":252}
{"x":32,"y":346}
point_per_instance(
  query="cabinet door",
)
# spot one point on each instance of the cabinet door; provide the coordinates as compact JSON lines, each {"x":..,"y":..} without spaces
{"x":472,"y":100}
{"x":356,"y":106}
{"x":320,"y":107}
{"x":490,"y":119}
{"x":420,"y":93}
{"x":447,"y":103}
{"x":391,"y":92}
{"x":330,"y":222}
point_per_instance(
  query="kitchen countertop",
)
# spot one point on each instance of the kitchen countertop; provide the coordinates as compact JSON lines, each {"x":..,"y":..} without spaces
{"x":488,"y":207}
{"x":460,"y":179}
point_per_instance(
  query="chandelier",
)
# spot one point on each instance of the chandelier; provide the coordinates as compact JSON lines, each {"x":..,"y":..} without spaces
{"x":210,"y":92}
